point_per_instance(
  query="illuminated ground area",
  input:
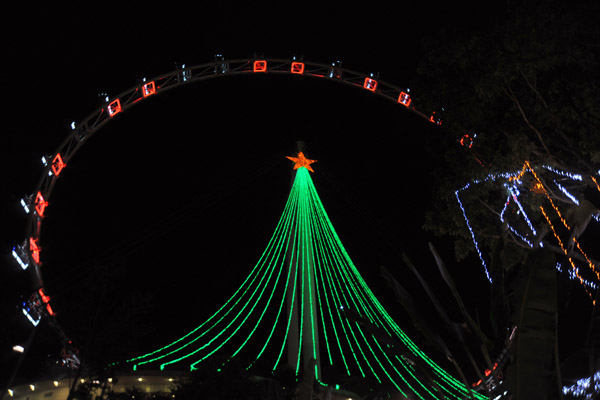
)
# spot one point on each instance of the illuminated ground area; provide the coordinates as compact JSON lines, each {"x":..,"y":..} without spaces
{"x":151,"y":383}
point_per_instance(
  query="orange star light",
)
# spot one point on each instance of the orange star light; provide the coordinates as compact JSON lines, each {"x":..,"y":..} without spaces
{"x":302,"y":161}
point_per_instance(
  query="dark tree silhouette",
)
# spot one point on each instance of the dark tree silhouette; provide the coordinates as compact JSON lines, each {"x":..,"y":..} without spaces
{"x":521,"y":89}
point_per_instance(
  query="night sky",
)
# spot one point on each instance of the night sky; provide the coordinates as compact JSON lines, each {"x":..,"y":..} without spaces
{"x":183,"y":191}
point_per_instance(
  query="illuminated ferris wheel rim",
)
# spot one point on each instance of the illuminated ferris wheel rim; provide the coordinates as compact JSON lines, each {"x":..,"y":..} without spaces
{"x":182,"y":76}
{"x":28,"y":253}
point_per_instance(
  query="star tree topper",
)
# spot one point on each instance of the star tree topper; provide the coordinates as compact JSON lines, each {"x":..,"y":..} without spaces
{"x":302,"y":161}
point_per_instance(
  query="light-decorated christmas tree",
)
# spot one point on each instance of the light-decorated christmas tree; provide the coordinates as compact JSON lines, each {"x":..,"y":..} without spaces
{"x":305,"y":304}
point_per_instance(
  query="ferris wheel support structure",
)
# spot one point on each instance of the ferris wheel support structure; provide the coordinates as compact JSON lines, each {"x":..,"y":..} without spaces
{"x":28,"y":254}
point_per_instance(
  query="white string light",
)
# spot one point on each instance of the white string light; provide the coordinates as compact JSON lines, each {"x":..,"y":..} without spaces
{"x":487,"y":274}
{"x":566,"y":193}
{"x":513,"y":195}
{"x":587,"y":387}
{"x":575,"y":177}
{"x":573,"y":276}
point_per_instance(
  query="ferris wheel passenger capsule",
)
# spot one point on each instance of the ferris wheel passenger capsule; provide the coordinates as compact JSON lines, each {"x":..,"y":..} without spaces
{"x":336,"y":70}
{"x":185,"y":73}
{"x":25,"y":205}
{"x":260,"y":66}
{"x":404,"y":98}
{"x":57,"y":164}
{"x":148,"y":89}
{"x":297,"y":68}
{"x":20,"y":255}
{"x":221,"y":67}
{"x":114,"y":107}
{"x":435,"y":118}
{"x":370,"y":84}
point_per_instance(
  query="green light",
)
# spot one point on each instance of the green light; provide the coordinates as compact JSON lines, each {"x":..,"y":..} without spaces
{"x":306,"y":262}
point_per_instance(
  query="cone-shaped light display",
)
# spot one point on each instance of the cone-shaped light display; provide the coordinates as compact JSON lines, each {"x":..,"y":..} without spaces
{"x":305,"y":304}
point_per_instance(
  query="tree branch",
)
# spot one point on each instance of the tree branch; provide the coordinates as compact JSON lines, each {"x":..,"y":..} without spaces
{"x":574,"y":255}
{"x":489,"y":207}
{"x":538,"y":95}
{"x":514,"y":241}
{"x":509,"y":93}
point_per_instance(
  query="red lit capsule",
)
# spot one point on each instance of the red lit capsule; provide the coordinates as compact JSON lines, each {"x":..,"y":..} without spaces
{"x":57,"y":164}
{"x":114,"y":108}
{"x":149,"y":89}
{"x":404,"y":99}
{"x":297,"y":68}
{"x":260,"y":66}
{"x":40,"y":204}
{"x":370,"y":84}
{"x":35,"y":250}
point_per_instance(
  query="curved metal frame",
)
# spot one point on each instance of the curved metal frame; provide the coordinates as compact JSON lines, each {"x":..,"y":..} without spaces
{"x":82,"y":131}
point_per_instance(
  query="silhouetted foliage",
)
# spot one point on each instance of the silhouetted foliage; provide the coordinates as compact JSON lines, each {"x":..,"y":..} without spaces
{"x":525,"y":88}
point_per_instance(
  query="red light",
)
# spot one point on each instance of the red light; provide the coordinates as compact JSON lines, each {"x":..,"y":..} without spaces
{"x":404,"y":98}
{"x":114,"y":108}
{"x":148,"y":89}
{"x":466,"y":141}
{"x":43,"y":295}
{"x":57,"y":164}
{"x":35,"y":250}
{"x":260,"y":66}
{"x":297,"y":68}
{"x":302,"y":161}
{"x":435,"y":119}
{"x":40,"y":204}
{"x":370,"y":84}
{"x":46,"y":300}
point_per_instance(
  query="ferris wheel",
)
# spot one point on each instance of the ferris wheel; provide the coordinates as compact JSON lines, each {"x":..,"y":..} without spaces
{"x":29,"y":253}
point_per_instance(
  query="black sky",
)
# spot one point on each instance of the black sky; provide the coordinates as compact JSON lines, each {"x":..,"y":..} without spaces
{"x":196,"y":152}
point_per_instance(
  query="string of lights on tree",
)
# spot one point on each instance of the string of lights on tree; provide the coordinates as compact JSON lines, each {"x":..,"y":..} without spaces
{"x":584,"y":388}
{"x":305,"y":254}
{"x":527,"y":183}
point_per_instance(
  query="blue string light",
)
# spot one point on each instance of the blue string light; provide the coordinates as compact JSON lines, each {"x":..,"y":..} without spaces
{"x":575,"y":177}
{"x":584,"y":388}
{"x":573,"y":276}
{"x":514,"y":193}
{"x":566,"y":193}
{"x":487,"y":274}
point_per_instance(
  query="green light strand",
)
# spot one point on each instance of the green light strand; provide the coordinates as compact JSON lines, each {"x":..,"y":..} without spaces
{"x":351,"y":327}
{"x":253,"y":274}
{"x":310,"y":273}
{"x":318,"y":273}
{"x":262,"y":288}
{"x":323,"y":264}
{"x":282,"y":243}
{"x":281,"y":307}
{"x":325,"y":288}
{"x":302,"y":291}
{"x":359,"y":279}
{"x":342,"y":319}
{"x":292,"y":304}
{"x":319,"y":259}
